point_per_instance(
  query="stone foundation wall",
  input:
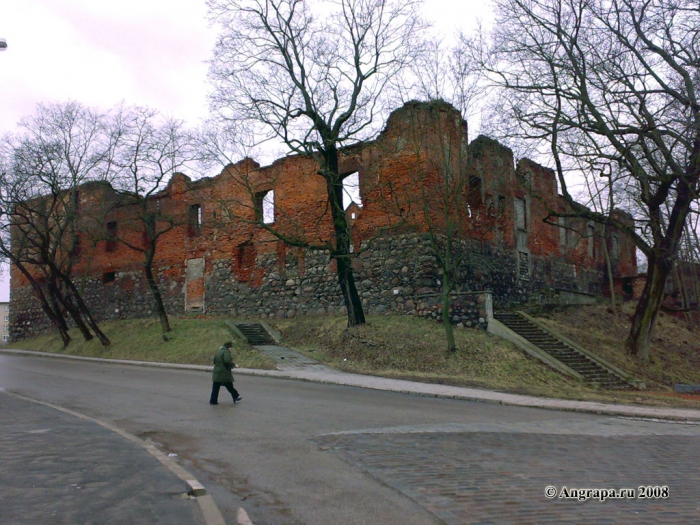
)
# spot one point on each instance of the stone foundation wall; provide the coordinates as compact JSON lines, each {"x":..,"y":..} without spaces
{"x":396,"y":274}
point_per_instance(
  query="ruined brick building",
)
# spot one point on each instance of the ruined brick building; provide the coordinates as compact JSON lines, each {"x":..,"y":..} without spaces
{"x":217,"y":260}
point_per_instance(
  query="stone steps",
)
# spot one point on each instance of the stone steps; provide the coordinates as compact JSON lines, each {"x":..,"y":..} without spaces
{"x":591,"y":371}
{"x":255,"y":334}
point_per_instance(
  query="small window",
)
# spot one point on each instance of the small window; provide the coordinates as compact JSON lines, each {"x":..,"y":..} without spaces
{"x":615,"y":246}
{"x":524,"y":266}
{"x":108,"y":277}
{"x":7,"y":318}
{"x":591,"y":240}
{"x":194,"y":219}
{"x":265,"y":206}
{"x":5,"y":338}
{"x":562,"y":232}
{"x":6,"y":328}
{"x":112,"y":243}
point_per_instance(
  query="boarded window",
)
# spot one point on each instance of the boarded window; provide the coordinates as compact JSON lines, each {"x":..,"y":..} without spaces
{"x":245,"y":261}
{"x":520,"y":214}
{"x":524,"y":266}
{"x":194,"y":285}
{"x":112,"y":243}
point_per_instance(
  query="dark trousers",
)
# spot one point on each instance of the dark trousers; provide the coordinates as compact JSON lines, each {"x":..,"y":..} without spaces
{"x":215,"y":391}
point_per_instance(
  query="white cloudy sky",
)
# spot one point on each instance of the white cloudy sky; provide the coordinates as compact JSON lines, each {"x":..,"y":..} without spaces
{"x":147,"y":52}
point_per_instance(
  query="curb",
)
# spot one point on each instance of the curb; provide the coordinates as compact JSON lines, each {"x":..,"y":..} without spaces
{"x":424,"y":389}
{"x":211,"y":513}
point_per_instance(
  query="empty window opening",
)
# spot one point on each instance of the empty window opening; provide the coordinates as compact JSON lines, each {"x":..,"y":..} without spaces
{"x":112,"y":243}
{"x":108,"y":277}
{"x":265,"y":206}
{"x":520,"y":214}
{"x":351,"y":190}
{"x":501,"y":204}
{"x":194,"y":219}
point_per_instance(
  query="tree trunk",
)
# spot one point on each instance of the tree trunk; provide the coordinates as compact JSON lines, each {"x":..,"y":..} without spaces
{"x":647,"y":311}
{"x":611,"y":281}
{"x":451,"y":346}
{"x":341,"y":253}
{"x":84,"y":310}
{"x":356,"y":315}
{"x":72,"y":310}
{"x":51,"y":310}
{"x":157,"y":297}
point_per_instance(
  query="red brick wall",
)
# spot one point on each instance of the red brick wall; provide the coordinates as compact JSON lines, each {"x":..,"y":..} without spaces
{"x":395,"y":171}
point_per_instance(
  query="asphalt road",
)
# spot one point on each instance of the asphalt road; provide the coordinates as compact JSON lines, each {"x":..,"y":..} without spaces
{"x":294,"y":452}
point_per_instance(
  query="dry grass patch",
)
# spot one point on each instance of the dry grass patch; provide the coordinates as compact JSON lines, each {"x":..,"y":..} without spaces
{"x":412,"y":348}
{"x":674,"y":354}
{"x":192,"y":341}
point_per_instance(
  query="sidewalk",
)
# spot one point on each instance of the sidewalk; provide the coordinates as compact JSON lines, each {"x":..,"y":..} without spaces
{"x":300,"y":368}
{"x":61,"y":468}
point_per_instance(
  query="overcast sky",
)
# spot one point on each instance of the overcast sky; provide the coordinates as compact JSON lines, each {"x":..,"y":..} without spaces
{"x":146,"y":52}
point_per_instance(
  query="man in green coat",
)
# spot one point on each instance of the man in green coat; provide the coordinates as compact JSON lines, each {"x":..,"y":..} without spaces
{"x":221,"y":375}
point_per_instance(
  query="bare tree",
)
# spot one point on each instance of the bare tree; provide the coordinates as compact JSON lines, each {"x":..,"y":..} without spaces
{"x":149,"y":150}
{"x":59,"y":148}
{"x":616,"y":81}
{"x":317,"y":84}
{"x":13,"y":254}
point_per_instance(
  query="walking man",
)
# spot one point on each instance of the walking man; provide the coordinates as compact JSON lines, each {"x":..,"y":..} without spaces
{"x":221,"y":375}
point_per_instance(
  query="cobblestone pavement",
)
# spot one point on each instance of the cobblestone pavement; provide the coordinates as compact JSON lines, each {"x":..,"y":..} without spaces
{"x":57,"y":469}
{"x":497,"y":474}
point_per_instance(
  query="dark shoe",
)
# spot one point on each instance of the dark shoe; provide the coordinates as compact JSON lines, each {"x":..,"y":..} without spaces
{"x":213,"y":403}
{"x":237,"y":399}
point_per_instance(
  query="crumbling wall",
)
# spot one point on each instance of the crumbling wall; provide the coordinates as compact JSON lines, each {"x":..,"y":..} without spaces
{"x":243,"y":270}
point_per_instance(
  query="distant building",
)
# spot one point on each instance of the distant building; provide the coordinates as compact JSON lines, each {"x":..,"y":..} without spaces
{"x":5,"y":322}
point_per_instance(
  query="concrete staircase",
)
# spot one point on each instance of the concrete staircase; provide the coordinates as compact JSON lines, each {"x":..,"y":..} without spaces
{"x":255,"y":333}
{"x":564,"y":352}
